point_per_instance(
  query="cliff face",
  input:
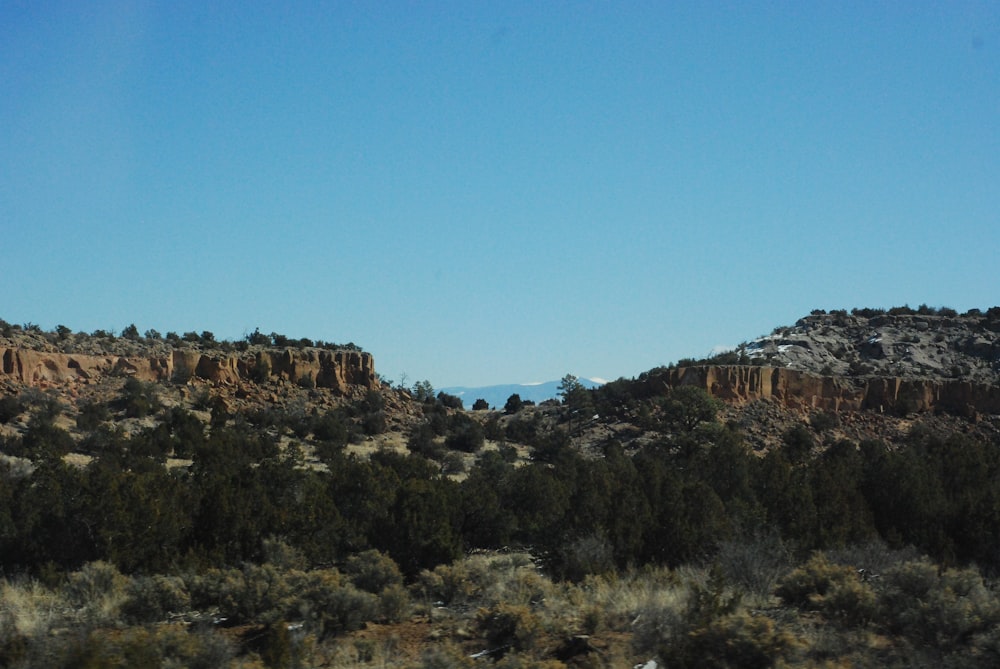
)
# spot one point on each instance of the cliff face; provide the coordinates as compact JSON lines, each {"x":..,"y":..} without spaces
{"x":336,"y":370}
{"x":803,"y":391}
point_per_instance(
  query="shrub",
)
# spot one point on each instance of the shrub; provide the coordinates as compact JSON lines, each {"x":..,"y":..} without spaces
{"x":453,"y":463}
{"x":91,"y":415}
{"x":152,"y":598}
{"x":446,"y":583}
{"x":737,"y":640}
{"x":422,"y":441}
{"x":330,"y":606}
{"x":835,"y":590}
{"x":139,"y":399}
{"x":255,"y":593}
{"x":513,"y":404}
{"x":465,"y":435}
{"x":450,"y":401}
{"x":584,"y":556}
{"x":798,"y":443}
{"x":659,"y":622}
{"x":97,"y":591}
{"x":374,"y":423}
{"x":282,"y":555}
{"x":261,"y":371}
{"x":754,"y":563}
{"x":943,"y":610}
{"x":394,"y":603}
{"x":373,"y":571}
{"x":824,"y":420}
{"x":330,"y":427}
{"x":10,"y":408}
{"x":508,"y":625}
{"x":445,"y":656}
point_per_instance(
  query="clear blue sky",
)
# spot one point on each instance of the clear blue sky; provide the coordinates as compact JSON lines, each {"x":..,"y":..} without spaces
{"x":494,"y":192}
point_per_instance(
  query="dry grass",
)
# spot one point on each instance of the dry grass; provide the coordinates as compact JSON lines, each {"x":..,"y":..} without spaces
{"x":29,"y":609}
{"x":504,"y":605}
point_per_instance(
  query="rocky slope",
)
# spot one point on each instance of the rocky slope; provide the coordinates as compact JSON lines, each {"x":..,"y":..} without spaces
{"x":926,"y":344}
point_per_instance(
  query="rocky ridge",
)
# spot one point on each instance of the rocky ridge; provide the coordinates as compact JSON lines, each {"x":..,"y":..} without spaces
{"x":33,"y":359}
{"x":936,"y":345}
{"x":886,"y":362}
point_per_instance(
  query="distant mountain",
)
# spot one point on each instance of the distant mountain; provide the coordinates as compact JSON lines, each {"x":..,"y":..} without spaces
{"x":496,"y":396}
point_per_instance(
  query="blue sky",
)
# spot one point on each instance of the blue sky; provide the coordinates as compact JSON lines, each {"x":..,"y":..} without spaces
{"x":482,"y":192}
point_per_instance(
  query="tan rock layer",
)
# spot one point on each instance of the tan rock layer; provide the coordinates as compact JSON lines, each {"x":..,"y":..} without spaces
{"x":337,"y":370}
{"x":803,"y":391}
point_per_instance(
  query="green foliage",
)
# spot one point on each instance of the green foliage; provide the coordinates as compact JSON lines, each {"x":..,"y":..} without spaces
{"x":11,"y":407}
{"x":687,"y":407}
{"x":465,"y":434}
{"x":43,"y":439}
{"x":372,"y":571}
{"x":450,"y":401}
{"x":422,"y":442}
{"x":513,"y":404}
{"x":523,"y":430}
{"x":576,"y":397}
{"x":423,"y":391}
{"x":329,"y":605}
{"x":798,"y":443}
{"x":139,"y":399}
{"x":823,"y":421}
{"x":153,"y":598}
{"x":91,"y":415}
{"x":331,"y":427}
{"x":257,"y":338}
{"x":941,"y":609}
{"x":480,"y":405}
{"x":569,"y":388}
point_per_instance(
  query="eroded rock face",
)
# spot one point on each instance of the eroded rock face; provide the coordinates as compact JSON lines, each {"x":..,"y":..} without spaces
{"x":803,"y":391}
{"x":336,"y":370}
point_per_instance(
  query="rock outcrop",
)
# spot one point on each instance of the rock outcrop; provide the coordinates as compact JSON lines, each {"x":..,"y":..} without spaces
{"x":338,"y":370}
{"x":884,"y":345}
{"x":797,"y":390}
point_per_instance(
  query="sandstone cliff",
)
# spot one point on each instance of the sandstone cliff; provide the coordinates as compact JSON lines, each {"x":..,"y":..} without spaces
{"x":337,"y":370}
{"x":800,"y":390}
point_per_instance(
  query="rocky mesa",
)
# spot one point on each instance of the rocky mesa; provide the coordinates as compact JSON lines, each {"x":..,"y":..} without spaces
{"x":337,"y":370}
{"x":898,"y":361}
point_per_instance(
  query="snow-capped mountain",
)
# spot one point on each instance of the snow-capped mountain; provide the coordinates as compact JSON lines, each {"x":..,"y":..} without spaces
{"x":496,"y":396}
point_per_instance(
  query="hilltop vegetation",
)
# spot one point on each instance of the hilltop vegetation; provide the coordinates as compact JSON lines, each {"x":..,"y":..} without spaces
{"x":187,"y":524}
{"x":924,"y":343}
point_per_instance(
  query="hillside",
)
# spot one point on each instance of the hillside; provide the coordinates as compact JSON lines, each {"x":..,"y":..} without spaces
{"x":178,"y":501}
{"x":898,"y":343}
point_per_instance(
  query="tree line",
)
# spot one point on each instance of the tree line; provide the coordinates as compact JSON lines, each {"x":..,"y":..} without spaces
{"x":670,"y":503}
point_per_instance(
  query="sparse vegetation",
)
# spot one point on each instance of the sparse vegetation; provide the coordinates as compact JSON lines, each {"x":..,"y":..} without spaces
{"x":191,"y":525}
